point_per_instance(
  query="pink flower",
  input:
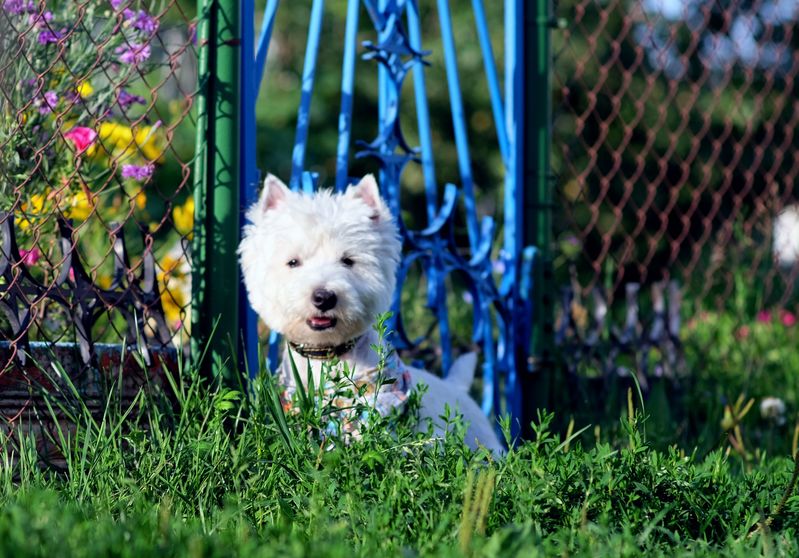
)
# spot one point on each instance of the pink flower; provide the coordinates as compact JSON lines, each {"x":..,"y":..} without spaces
{"x":30,"y":257}
{"x":764,"y":316}
{"x":81,"y":137}
{"x":742,"y":332}
{"x":787,"y":318}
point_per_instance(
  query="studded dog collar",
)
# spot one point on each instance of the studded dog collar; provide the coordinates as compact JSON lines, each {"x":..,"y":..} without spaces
{"x":323,"y":353}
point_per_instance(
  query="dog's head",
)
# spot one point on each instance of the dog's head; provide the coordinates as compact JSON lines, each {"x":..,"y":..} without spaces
{"x":319,"y":268}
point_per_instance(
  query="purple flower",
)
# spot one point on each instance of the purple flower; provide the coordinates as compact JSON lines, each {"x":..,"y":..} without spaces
{"x":126,"y":100}
{"x":145,"y":23}
{"x":116,"y":3}
{"x":141,"y":21}
{"x":138,"y":172}
{"x":14,"y":6}
{"x":47,"y":36}
{"x":134,"y":54}
{"x":72,"y":98}
{"x":48,"y":102}
{"x":40,"y":20}
{"x":193,"y":33}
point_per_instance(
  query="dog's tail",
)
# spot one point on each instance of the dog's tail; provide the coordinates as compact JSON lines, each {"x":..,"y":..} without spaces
{"x":461,"y":373}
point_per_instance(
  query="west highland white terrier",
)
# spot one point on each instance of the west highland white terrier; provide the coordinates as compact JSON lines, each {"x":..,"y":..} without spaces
{"x":319,"y":269}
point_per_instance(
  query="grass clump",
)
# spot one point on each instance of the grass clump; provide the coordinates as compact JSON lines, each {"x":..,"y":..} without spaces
{"x":205,"y":470}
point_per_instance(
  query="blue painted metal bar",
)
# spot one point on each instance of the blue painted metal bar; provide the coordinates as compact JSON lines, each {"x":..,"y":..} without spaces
{"x":310,"y":181}
{"x":308,"y":75}
{"x":425,"y":142}
{"x":376,"y":13}
{"x":273,"y":351}
{"x":514,"y":175}
{"x":458,"y":120}
{"x":248,"y":174}
{"x":513,"y":116}
{"x":423,"y":113}
{"x":268,"y":23}
{"x":383,"y":92}
{"x":347,"y":93}
{"x":491,"y":75}
{"x":489,"y":361}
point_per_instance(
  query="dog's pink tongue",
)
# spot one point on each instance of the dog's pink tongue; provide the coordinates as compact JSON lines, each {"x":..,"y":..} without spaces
{"x":321,"y":321}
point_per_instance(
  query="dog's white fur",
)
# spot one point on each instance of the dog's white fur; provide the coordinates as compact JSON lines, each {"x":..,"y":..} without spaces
{"x":318,"y":233}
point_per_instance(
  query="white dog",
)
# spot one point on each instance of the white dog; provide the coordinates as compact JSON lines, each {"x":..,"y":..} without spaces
{"x":318,"y":269}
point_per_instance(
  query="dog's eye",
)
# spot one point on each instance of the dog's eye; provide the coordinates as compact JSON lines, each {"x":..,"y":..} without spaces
{"x":347,"y":262}
{"x":293,"y":262}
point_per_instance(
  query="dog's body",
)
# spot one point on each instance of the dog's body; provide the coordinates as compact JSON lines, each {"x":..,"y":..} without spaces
{"x":318,"y":269}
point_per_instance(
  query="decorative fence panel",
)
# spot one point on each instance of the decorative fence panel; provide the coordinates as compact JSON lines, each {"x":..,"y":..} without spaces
{"x":96,"y":148}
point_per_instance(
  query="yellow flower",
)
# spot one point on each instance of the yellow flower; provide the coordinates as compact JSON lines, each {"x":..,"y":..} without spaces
{"x":112,"y":137}
{"x":123,"y":141}
{"x":183,"y":217}
{"x":174,"y":281}
{"x":30,"y":209}
{"x":140,"y":199}
{"x":85,"y":89}
{"x":79,"y":206}
{"x":147,"y":139}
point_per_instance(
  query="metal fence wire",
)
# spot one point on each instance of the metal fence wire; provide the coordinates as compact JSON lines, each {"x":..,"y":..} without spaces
{"x":96,"y":147}
{"x":676,"y":159}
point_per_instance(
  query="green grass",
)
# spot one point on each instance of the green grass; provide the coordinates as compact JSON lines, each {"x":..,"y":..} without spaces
{"x":224,"y":473}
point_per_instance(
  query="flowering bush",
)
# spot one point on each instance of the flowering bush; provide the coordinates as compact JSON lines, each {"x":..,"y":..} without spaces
{"x":77,"y":136}
{"x":68,"y":93}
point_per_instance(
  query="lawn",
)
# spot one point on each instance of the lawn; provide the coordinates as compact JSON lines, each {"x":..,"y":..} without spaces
{"x":196,"y":469}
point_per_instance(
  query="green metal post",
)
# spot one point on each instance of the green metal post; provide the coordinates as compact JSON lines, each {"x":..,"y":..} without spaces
{"x":216,"y":187}
{"x":538,"y":205}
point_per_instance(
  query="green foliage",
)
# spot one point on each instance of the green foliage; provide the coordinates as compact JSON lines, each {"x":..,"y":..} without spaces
{"x":222,"y":473}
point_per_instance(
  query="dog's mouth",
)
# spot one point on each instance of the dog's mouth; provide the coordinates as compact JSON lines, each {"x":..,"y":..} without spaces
{"x":321,"y":323}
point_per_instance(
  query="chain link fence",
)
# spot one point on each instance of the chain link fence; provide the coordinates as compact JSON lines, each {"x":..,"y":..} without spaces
{"x":676,"y":161}
{"x":96,"y":149}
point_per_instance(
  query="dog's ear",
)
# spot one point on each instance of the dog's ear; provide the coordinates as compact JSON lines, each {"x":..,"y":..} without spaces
{"x":273,"y":194}
{"x":368,"y":192}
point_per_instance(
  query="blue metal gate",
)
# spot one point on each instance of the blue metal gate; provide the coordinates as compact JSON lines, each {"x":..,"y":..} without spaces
{"x":511,"y":330}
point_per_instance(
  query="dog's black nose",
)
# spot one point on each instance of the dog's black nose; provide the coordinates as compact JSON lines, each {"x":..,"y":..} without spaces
{"x":324,"y":299}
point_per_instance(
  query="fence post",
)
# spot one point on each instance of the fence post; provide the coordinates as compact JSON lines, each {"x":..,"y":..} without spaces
{"x":215,"y":277}
{"x":536,"y":135}
{"x":248,"y":190}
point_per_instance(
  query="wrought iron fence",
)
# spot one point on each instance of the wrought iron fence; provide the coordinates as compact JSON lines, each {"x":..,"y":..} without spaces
{"x":96,"y":148}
